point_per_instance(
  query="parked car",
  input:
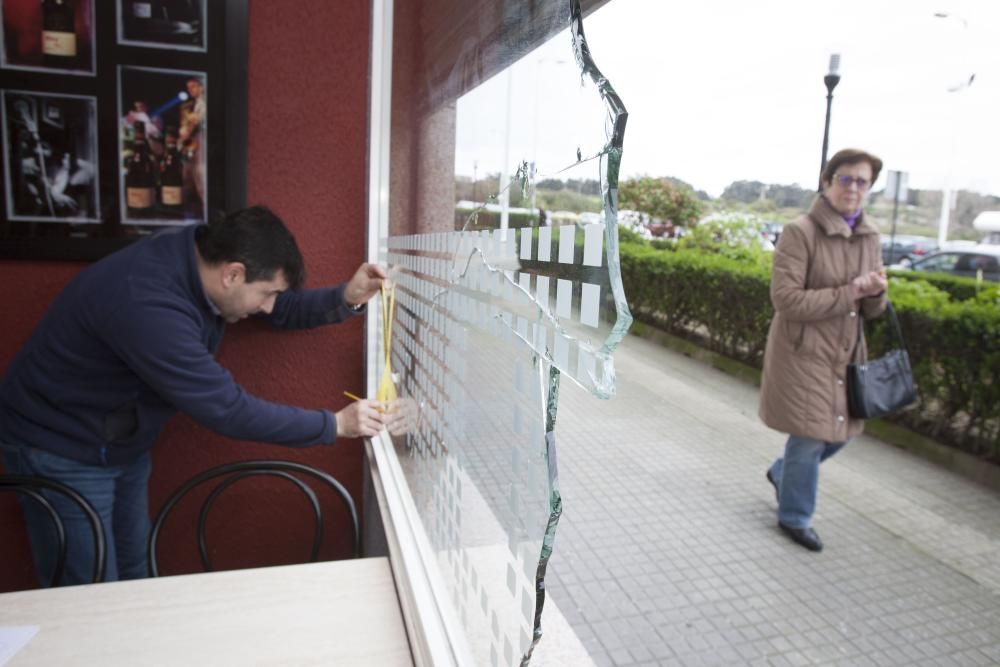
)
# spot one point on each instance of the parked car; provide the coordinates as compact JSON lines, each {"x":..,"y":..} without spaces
{"x":905,"y":248}
{"x":967,"y":261}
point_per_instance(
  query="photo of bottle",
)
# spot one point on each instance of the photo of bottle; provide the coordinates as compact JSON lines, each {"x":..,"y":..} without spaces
{"x":171,"y":177}
{"x":140,"y":178}
{"x":48,"y":35}
{"x":58,"y":34}
{"x":163,"y":130}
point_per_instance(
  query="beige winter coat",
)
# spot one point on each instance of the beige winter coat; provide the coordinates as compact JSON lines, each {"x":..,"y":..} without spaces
{"x":815,"y":323}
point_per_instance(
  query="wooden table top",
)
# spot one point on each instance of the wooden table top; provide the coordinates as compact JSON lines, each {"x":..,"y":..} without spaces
{"x":335,"y":613}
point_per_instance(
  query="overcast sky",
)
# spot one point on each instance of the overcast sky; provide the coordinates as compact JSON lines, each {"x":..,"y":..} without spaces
{"x":723,"y":90}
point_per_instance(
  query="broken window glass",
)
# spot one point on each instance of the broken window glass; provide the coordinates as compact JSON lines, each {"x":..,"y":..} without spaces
{"x":503,"y":251}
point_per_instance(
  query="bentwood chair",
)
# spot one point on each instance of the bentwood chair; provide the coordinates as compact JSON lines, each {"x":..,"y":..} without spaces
{"x":32,"y":487}
{"x":231,"y":473}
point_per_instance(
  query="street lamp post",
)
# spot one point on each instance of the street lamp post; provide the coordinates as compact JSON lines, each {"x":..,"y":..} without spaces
{"x":831,"y":80}
{"x":895,"y":185}
{"x":946,"y":192}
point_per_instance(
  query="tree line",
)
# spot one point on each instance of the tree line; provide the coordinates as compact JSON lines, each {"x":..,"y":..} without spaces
{"x":672,"y":199}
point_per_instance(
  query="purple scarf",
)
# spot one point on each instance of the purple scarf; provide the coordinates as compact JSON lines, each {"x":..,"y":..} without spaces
{"x":852,"y":218}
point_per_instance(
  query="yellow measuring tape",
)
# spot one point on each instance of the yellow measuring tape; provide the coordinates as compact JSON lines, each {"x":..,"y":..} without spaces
{"x":386,"y":389}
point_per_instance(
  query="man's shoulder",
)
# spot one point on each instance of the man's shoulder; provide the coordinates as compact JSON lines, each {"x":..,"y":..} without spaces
{"x":163,"y":249}
{"x":153,"y":270}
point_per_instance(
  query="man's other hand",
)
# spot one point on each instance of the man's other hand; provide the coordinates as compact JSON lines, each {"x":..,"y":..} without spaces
{"x":362,"y":418}
{"x":364,"y":284}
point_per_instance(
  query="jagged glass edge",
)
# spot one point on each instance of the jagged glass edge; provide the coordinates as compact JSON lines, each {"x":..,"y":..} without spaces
{"x":610,"y":164}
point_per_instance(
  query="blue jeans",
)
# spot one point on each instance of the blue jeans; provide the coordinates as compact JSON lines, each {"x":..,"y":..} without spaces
{"x":797,"y":477}
{"x":118,"y":494}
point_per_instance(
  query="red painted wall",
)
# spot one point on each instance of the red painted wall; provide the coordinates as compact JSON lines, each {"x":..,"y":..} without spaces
{"x":308,"y":91}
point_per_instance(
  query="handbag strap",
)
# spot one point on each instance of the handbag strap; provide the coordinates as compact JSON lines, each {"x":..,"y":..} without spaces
{"x":895,"y":329}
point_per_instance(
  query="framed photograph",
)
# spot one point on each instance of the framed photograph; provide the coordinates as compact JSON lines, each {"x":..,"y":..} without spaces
{"x":162,"y":142}
{"x":49,"y":36}
{"x":164,"y":24}
{"x":91,"y":163}
{"x":50,"y":157}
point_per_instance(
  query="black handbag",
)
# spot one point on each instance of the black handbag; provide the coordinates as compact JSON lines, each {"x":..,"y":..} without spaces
{"x":877,"y":387}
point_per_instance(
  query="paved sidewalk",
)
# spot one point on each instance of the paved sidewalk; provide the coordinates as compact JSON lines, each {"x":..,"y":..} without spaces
{"x":668,"y":551}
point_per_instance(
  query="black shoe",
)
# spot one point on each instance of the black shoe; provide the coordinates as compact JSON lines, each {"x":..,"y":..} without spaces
{"x":807,"y":537}
{"x":770,"y":478}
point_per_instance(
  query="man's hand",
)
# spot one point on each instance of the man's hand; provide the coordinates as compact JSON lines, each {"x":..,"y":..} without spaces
{"x":362,"y":418}
{"x":364,"y":284}
{"x":870,"y":284}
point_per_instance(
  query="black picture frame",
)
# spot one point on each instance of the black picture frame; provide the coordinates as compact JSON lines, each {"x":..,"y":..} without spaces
{"x":68,"y":125}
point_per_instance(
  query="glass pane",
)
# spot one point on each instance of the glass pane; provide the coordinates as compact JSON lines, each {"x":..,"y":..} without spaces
{"x":503,"y":250}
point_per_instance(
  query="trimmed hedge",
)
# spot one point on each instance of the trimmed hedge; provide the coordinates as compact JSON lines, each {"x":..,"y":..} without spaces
{"x":706,"y":295}
{"x":960,"y":289}
{"x":954,"y":344}
{"x":485,"y":219}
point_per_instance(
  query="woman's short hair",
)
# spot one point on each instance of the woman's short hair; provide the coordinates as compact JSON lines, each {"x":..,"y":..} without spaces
{"x":851,"y":156}
{"x":256,"y":238}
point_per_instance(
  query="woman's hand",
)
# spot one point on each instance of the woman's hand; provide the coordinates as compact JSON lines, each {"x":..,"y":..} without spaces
{"x":872,"y":283}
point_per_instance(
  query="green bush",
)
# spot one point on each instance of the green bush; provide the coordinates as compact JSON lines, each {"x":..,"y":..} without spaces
{"x":626,"y":235}
{"x":954,"y":344}
{"x":960,"y":288}
{"x":954,"y":347}
{"x":724,"y":301}
{"x":483,"y":219}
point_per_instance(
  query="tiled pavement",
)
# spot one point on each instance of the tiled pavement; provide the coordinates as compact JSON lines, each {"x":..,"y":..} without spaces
{"x":668,"y":553}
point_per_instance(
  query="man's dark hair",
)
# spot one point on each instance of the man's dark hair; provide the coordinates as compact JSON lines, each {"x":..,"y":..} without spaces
{"x":850,"y":156}
{"x":258,"y":239}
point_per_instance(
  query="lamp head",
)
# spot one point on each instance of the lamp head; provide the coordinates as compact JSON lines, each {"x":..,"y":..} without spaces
{"x":834,"y":64}
{"x":832,"y":77}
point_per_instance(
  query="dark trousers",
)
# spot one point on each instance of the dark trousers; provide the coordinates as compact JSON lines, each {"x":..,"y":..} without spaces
{"x":118,"y":494}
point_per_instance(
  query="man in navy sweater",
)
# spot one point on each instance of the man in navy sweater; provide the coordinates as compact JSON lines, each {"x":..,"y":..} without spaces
{"x":132,"y":340}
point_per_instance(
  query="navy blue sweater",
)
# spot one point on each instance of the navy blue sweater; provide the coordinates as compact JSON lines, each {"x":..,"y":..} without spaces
{"x":129,"y":342}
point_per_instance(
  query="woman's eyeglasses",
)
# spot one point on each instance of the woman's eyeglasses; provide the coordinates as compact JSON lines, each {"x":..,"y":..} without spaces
{"x":846,"y":181}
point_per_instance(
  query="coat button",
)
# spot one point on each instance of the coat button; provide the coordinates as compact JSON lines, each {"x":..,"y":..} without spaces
{"x":839,"y":381}
{"x":840,"y":418}
{"x":853,"y":314}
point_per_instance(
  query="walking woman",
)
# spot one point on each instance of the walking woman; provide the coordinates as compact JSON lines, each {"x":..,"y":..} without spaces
{"x":827,"y":272}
